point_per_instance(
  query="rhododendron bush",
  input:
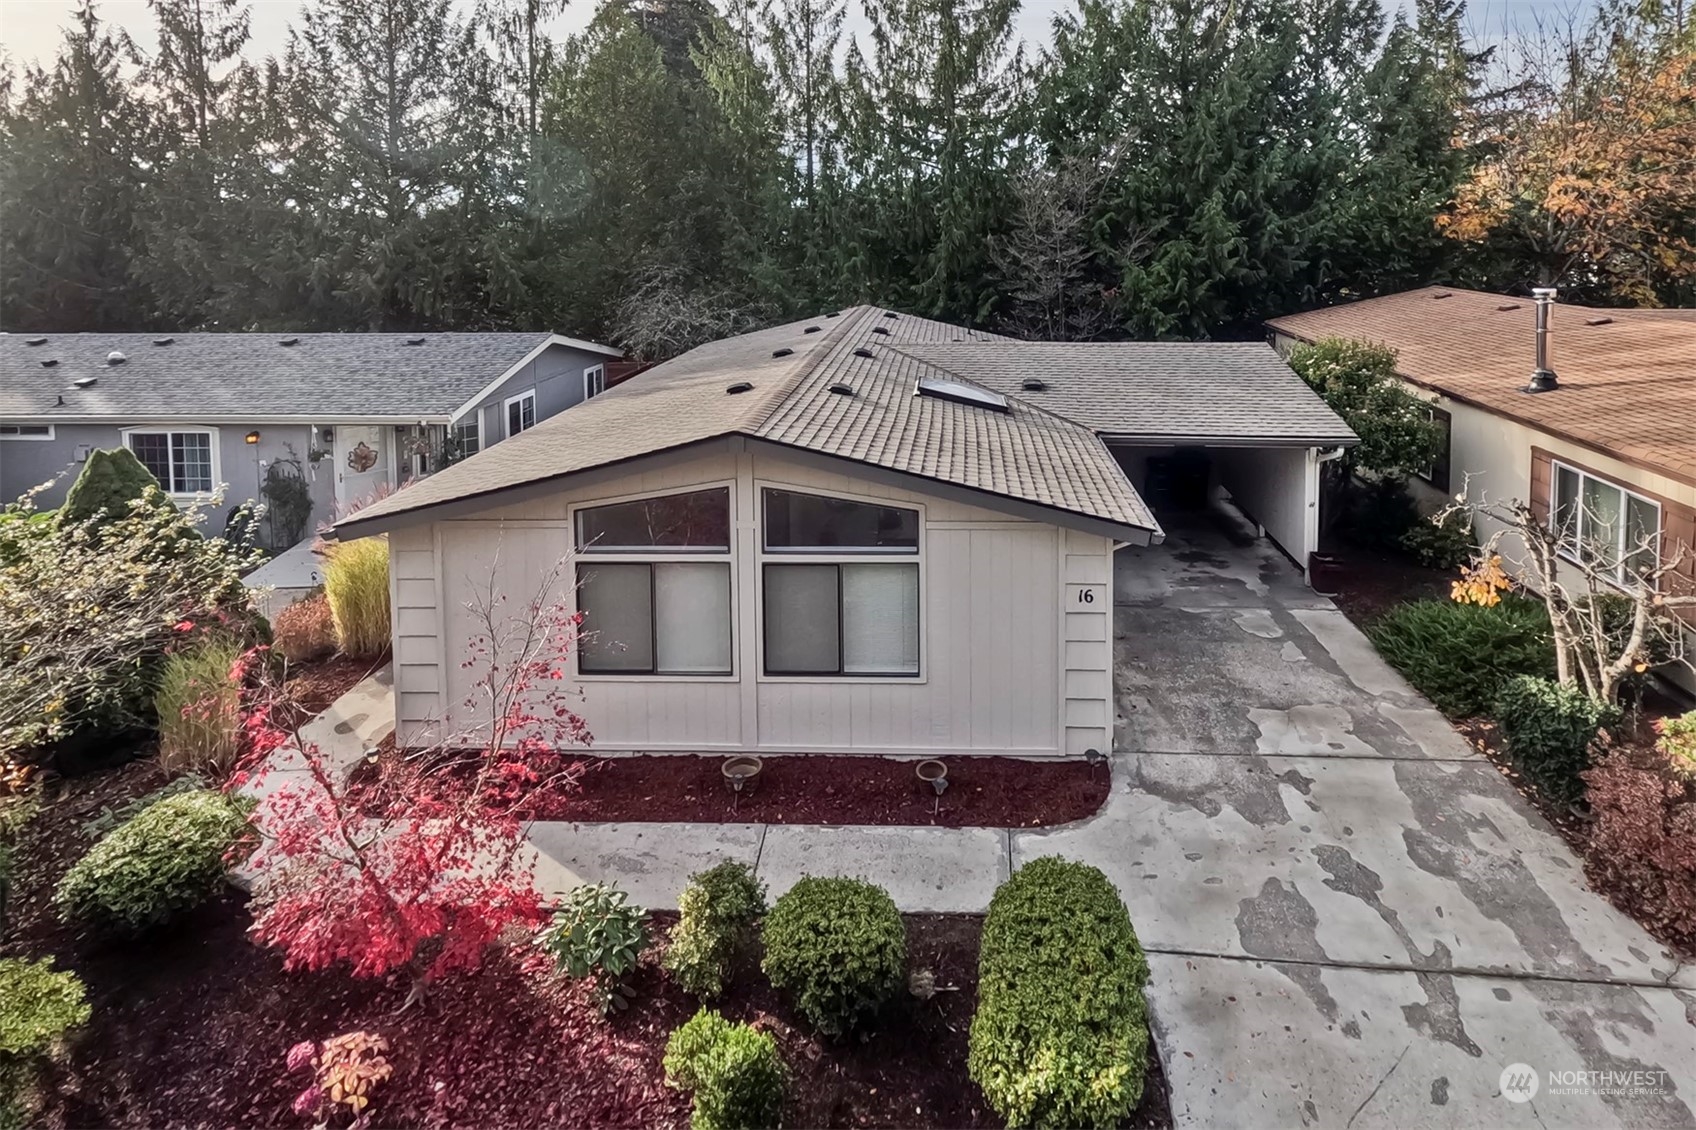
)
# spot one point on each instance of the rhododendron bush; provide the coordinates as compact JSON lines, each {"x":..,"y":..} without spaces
{"x":420,"y":860}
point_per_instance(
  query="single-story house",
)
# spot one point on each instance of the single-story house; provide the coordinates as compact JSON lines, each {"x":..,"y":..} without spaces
{"x":353,"y":414}
{"x":862,"y":532}
{"x":1608,"y":435}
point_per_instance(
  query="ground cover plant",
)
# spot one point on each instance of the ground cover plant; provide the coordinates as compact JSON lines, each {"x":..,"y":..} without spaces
{"x":1060,"y":1037}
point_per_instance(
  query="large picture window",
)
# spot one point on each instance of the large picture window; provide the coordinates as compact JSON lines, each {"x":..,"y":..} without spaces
{"x":184,"y":462}
{"x":858,"y":616}
{"x":1604,"y":523}
{"x":656,"y":597}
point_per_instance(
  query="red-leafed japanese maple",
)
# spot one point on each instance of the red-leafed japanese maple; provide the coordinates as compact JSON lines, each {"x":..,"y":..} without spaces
{"x":420,"y":859}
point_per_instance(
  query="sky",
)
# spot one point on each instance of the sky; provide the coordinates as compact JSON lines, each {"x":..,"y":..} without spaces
{"x":29,"y":29}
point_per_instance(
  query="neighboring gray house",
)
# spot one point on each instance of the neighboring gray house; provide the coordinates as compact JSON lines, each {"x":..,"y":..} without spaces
{"x":861,"y":532}
{"x":352,"y":414}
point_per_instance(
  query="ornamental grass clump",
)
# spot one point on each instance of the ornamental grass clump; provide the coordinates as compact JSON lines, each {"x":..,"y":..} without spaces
{"x":199,"y":705}
{"x":717,"y":917}
{"x":356,"y":583}
{"x":734,"y":1072}
{"x":839,"y":946}
{"x":168,"y":859}
{"x":1060,"y":1037}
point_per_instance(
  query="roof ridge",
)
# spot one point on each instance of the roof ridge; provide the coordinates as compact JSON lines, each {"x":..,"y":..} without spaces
{"x":815,"y":357}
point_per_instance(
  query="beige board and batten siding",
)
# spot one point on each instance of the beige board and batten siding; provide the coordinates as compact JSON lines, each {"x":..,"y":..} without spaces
{"x":1014,"y":644}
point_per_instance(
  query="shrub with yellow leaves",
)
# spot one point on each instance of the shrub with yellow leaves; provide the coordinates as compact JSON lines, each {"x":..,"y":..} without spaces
{"x":346,"y":1069}
{"x":1481,"y":583}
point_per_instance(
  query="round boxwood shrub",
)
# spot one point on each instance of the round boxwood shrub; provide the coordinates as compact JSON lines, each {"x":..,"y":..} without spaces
{"x":1460,"y":655}
{"x":1060,"y":1037}
{"x":1549,"y":729}
{"x":166,"y":859}
{"x":716,"y":917}
{"x":839,"y":946}
{"x":734,"y":1071}
{"x":38,"y":1009}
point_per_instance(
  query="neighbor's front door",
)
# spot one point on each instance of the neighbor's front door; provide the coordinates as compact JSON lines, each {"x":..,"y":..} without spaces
{"x":362,"y":462}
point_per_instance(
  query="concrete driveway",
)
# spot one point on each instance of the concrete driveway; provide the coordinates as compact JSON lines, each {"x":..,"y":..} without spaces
{"x":1353,"y":921}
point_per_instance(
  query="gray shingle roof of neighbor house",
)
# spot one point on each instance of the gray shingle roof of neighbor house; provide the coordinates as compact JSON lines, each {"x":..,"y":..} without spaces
{"x":795,"y":376}
{"x":1152,"y":391}
{"x":255,"y":376}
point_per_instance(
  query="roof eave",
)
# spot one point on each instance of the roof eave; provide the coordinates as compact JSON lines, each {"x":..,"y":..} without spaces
{"x":1194,"y":440}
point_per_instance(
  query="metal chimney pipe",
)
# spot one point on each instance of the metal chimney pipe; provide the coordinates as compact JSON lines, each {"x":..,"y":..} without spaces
{"x":1543,"y":378}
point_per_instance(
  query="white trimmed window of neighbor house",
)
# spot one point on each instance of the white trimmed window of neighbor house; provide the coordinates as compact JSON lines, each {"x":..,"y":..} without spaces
{"x":1603,"y":522}
{"x":594,"y":381}
{"x":654,"y":585}
{"x":520,"y":412}
{"x":26,"y":431}
{"x":467,"y":435}
{"x":840,"y":587}
{"x":184,"y":460}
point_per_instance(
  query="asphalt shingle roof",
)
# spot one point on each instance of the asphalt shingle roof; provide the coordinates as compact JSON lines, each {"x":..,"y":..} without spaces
{"x":1152,"y":390}
{"x":1627,"y":377}
{"x":252,"y":376}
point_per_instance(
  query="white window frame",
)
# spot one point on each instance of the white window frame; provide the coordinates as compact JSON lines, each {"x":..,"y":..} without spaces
{"x":838,"y":556}
{"x":528,"y":394}
{"x":594,"y":381}
{"x":14,"y":436}
{"x":1619,"y":578}
{"x":182,"y":429}
{"x":472,"y":423}
{"x":662,"y":556}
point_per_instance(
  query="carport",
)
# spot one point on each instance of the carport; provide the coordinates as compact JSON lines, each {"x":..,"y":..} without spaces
{"x":1190,"y":422}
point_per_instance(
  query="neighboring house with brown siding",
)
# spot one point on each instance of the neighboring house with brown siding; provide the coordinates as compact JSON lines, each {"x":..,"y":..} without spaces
{"x":1618,"y":428}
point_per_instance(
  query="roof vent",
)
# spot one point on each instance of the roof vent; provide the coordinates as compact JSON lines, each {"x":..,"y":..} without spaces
{"x":862,"y":353}
{"x":36,"y":341}
{"x":116,"y":357}
{"x":1542,"y":377}
{"x":841,"y":389}
{"x":1034,"y":384}
{"x":811,"y":330}
{"x":1599,"y":321}
{"x":289,"y":341}
{"x":782,"y":352}
{"x":163,"y":340}
{"x":739,"y":386}
{"x":881,"y":330}
{"x":1442,"y":294}
{"x":49,"y":362}
{"x":1506,"y":306}
{"x":86,"y":382}
{"x":890,"y":314}
{"x":415,"y":341}
{"x":832,"y":314}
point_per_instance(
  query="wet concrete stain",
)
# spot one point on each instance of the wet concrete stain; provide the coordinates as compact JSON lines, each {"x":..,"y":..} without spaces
{"x":1440,"y":1091}
{"x":1279,"y":921}
{"x":1499,"y":884}
{"x":1572,"y":1013}
{"x":1248,"y":786}
{"x":1502,"y":994}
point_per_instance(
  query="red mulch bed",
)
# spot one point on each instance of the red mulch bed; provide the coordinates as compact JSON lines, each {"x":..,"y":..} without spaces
{"x":986,"y":792}
{"x":191,"y":1027}
{"x":315,"y":684}
{"x":1371,"y":582}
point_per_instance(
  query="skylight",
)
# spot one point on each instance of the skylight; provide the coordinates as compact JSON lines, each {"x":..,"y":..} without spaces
{"x":962,"y":393}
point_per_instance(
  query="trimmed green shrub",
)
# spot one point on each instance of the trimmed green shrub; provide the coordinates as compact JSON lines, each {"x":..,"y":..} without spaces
{"x":1677,"y":741}
{"x":1448,"y":544}
{"x":716,"y":918}
{"x":111,"y":816}
{"x":1460,"y":655}
{"x":167,"y":859}
{"x":356,"y":583}
{"x":109,"y":482}
{"x":199,"y":707}
{"x":839,"y":946}
{"x":39,"y":1008}
{"x":1060,"y":1037}
{"x":1549,"y":729}
{"x":598,"y":934}
{"x":734,"y":1071}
